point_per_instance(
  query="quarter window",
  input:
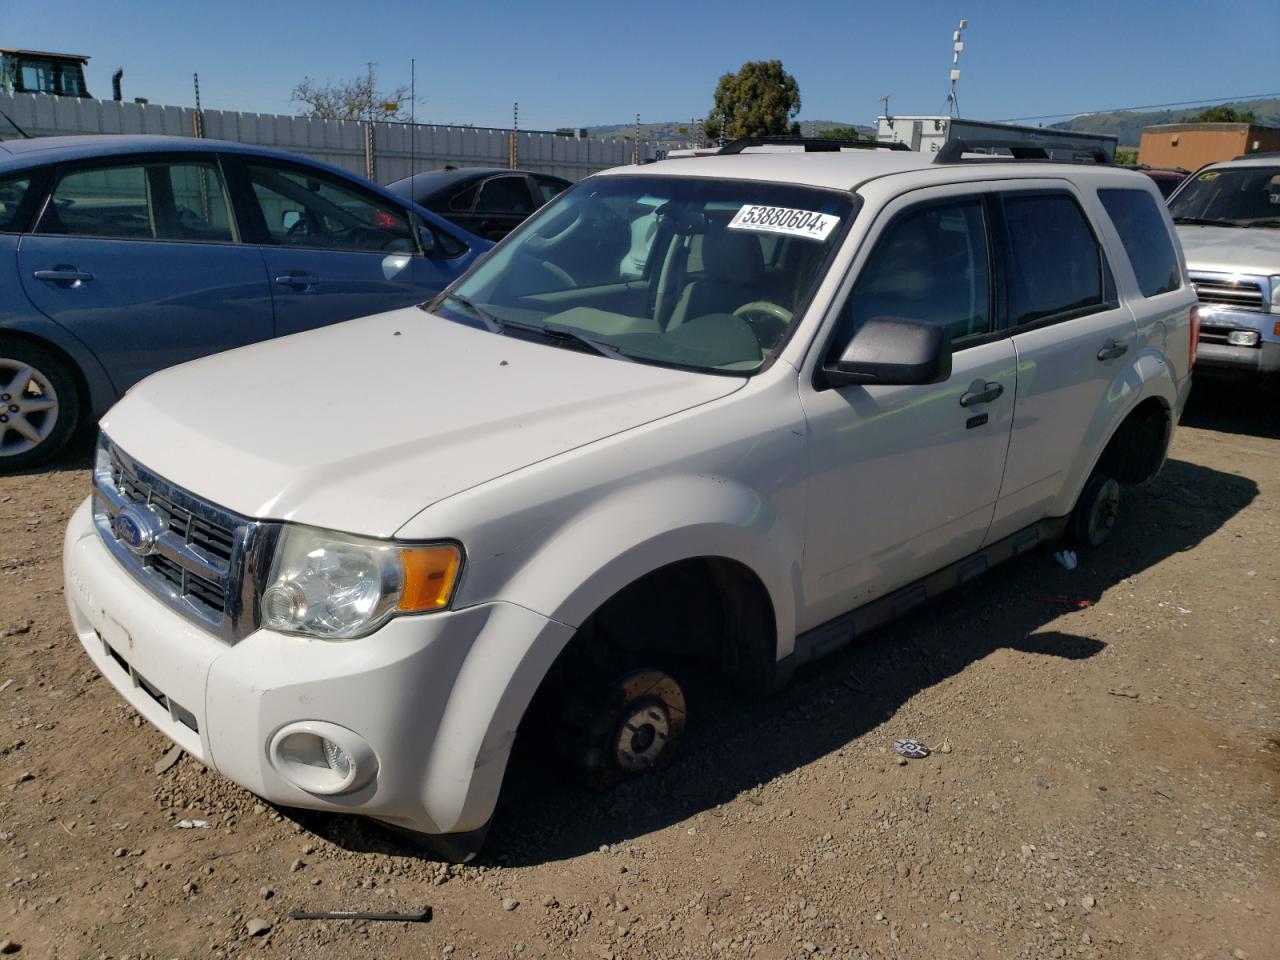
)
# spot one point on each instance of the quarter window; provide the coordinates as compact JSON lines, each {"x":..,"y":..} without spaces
{"x":305,"y":209}
{"x":1056,"y":266}
{"x":146,"y":201}
{"x":931,"y":264}
{"x":1145,"y":238}
{"x":13,"y":190}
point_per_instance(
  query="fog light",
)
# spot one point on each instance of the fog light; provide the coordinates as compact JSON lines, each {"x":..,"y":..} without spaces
{"x":1243,"y":338}
{"x":322,"y":758}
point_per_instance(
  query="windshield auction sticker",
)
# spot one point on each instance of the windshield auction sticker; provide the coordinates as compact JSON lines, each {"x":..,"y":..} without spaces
{"x":794,"y":223}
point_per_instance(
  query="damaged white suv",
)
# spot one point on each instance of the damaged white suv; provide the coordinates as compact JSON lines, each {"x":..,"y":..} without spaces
{"x":341,"y":568}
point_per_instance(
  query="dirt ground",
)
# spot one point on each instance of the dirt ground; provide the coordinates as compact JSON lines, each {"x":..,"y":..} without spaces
{"x":1103,"y":784}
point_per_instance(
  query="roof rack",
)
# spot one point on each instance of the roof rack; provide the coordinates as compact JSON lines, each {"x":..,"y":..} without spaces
{"x":810,"y":144}
{"x":1261,"y":153}
{"x":953,"y":151}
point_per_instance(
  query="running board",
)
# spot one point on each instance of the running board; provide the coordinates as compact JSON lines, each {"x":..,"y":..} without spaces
{"x":840,"y":632}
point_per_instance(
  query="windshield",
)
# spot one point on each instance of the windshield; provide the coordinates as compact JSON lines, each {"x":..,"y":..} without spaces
{"x":701,"y":273}
{"x":1235,"y":196}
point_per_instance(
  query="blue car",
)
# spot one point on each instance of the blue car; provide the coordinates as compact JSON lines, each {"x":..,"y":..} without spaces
{"x":122,"y":255}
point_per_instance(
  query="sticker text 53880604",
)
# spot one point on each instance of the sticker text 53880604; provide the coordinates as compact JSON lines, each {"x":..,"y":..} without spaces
{"x":795,"y":223}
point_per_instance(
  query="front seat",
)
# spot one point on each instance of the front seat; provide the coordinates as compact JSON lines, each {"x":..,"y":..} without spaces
{"x":734,"y":265}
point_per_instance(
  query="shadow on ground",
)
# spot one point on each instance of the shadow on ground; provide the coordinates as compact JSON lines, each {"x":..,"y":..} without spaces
{"x":1237,"y":405}
{"x":545,"y":815}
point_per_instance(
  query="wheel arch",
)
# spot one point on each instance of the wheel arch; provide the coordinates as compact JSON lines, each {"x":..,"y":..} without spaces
{"x":96,"y":390}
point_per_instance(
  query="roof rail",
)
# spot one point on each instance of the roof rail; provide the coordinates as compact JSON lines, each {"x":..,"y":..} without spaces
{"x":1260,"y":153}
{"x":810,"y":144}
{"x":953,"y":151}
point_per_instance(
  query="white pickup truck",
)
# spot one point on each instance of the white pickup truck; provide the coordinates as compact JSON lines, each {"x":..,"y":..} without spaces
{"x":346,"y":567}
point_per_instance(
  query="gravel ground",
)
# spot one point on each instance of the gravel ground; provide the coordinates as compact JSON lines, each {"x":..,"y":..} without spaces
{"x":1103,"y":783}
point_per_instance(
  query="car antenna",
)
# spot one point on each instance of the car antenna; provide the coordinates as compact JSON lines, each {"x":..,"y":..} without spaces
{"x":14,"y":125}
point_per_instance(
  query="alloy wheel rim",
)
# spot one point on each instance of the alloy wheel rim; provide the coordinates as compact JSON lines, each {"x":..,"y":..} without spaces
{"x":28,"y":407}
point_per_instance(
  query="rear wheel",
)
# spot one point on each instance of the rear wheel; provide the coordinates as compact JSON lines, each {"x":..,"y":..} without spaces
{"x":39,"y":404}
{"x":1096,"y":511}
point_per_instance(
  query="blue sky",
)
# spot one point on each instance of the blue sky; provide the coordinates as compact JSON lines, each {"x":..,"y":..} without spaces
{"x":577,"y":64}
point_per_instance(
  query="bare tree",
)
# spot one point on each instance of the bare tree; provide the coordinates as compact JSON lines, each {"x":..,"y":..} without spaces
{"x":357,"y":99}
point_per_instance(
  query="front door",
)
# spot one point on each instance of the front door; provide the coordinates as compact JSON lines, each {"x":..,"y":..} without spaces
{"x":140,"y":259}
{"x":333,"y":252}
{"x":904,"y":479}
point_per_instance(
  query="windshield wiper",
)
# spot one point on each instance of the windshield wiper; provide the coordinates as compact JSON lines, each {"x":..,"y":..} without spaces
{"x":1269,"y":222}
{"x":490,"y":321}
{"x":1205,"y":222}
{"x":568,"y":335}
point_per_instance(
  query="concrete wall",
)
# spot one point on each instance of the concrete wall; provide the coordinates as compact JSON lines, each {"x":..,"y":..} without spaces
{"x":1192,"y":145}
{"x":396,"y":147}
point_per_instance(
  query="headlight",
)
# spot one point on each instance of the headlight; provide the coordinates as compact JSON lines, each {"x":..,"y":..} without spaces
{"x":1275,"y":291}
{"x":337,"y":587}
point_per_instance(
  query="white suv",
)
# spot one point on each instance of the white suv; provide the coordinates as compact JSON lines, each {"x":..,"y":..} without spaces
{"x":343,"y":568}
{"x":1228,"y":218}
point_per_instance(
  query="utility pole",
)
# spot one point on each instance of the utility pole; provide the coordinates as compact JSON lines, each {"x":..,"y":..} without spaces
{"x":957,"y":47}
{"x":198,"y":120}
{"x":635,"y":142}
{"x":413,"y":115}
{"x":515,"y":132}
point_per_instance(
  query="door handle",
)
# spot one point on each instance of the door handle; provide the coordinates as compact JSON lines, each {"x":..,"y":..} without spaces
{"x":989,"y":392}
{"x":297,"y":279}
{"x":64,"y":274}
{"x":1112,"y":349}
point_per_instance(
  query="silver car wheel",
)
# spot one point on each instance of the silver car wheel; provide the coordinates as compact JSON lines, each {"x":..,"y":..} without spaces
{"x":28,"y":407}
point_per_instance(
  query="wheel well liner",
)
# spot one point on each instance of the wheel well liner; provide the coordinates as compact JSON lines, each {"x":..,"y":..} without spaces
{"x":1137,"y":450}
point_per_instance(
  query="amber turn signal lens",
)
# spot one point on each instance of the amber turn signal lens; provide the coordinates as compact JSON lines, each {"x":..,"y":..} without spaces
{"x":429,"y":576}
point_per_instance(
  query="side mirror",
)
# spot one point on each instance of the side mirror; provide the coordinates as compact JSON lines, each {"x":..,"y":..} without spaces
{"x":893,"y":350}
{"x":427,"y":241}
{"x":289,"y":218}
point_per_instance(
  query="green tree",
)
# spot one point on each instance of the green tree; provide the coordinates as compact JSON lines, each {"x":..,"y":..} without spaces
{"x":843,"y":133}
{"x":760,"y":100}
{"x":1223,"y":115}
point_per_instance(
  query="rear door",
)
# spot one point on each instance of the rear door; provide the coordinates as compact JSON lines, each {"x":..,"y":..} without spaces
{"x":904,"y":479}
{"x":1074,"y":340}
{"x":140,"y":258}
{"x":333,"y":251}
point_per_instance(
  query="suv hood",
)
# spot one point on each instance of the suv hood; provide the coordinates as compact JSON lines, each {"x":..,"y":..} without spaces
{"x":360,"y":426}
{"x":1254,"y":250}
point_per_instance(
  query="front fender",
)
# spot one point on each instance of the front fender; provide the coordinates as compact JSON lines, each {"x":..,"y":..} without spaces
{"x":632,"y":531}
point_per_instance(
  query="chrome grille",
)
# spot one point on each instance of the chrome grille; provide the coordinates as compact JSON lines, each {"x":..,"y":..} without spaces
{"x":1239,"y":294}
{"x":204,"y":561}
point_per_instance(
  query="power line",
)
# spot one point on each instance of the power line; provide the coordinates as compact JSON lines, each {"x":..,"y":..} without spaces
{"x":1146,"y":106}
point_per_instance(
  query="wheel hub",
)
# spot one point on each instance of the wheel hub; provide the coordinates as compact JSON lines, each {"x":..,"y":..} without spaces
{"x":31,"y":407}
{"x":651,"y":721}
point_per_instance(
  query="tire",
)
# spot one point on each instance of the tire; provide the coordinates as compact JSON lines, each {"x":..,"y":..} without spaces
{"x":39,"y":404}
{"x":1096,"y":511}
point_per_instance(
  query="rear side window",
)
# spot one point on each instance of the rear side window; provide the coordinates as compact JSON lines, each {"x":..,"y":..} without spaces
{"x":931,"y":265}
{"x":1056,"y":266}
{"x":151,"y":201}
{"x":505,"y":195}
{"x":13,"y":190}
{"x":1145,"y":238}
{"x":548,"y":188}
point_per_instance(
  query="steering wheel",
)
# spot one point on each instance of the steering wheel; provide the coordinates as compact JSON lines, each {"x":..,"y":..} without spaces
{"x":766,"y":319}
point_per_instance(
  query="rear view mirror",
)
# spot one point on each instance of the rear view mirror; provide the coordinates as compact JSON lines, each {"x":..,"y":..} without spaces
{"x":893,"y":350}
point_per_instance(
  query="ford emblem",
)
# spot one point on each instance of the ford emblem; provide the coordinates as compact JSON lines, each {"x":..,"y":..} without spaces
{"x":138,"y":528}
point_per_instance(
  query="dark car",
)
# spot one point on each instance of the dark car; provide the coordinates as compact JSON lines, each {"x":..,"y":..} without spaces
{"x":1167,"y":179}
{"x":487,"y":201}
{"x":127,"y":254}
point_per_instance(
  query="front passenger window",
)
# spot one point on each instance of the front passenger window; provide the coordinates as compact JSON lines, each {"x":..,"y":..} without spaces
{"x":931,"y":264}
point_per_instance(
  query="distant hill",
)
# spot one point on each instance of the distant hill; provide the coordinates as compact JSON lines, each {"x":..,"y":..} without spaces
{"x":1127,"y":125}
{"x":679,"y":129}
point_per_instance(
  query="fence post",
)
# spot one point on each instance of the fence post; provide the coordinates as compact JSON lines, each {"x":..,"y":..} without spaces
{"x":370,"y":158}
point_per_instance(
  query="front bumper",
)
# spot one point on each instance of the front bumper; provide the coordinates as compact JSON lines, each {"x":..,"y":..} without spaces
{"x":1214,"y":353}
{"x":436,"y":698}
